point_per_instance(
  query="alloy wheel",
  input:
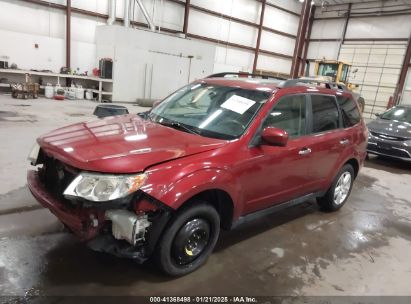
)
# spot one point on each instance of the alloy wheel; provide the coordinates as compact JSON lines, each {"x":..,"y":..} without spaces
{"x":342,"y":188}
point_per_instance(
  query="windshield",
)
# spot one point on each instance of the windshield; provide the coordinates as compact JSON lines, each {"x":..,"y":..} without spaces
{"x":398,"y":113}
{"x":210,"y":110}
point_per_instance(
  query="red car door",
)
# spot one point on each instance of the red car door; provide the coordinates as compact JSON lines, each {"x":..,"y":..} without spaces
{"x":329,"y":140}
{"x":273,"y":174}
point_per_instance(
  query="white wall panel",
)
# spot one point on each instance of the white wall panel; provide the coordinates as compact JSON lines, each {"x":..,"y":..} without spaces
{"x":20,"y":50}
{"x":83,"y":56}
{"x":164,"y":14}
{"x":83,"y":28}
{"x":208,"y":26}
{"x":291,"y":5}
{"x":327,"y":29}
{"x":97,"y":6}
{"x":31,"y":19}
{"x":274,"y":64}
{"x":324,"y":49}
{"x":280,"y":20}
{"x":379,"y":27}
{"x":213,"y":27}
{"x":239,"y":60}
{"x":242,"y":9}
{"x":277,"y":43}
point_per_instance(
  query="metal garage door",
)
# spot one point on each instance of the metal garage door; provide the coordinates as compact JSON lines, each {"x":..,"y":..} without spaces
{"x":379,"y":66}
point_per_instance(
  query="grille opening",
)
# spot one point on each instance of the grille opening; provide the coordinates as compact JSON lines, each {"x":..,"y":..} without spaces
{"x":55,"y":175}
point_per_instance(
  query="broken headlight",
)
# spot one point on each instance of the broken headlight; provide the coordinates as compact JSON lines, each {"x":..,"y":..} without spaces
{"x":101,"y":187}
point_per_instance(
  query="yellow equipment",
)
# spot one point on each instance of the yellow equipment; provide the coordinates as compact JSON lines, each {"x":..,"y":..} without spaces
{"x":337,"y":71}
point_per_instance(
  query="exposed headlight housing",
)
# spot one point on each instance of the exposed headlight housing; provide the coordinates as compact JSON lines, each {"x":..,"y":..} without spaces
{"x":34,"y":154}
{"x":103,"y":187}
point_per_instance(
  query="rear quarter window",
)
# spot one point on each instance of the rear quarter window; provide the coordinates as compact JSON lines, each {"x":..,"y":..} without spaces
{"x":350,"y":114}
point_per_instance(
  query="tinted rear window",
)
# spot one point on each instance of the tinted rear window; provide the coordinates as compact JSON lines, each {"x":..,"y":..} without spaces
{"x":350,"y":114}
{"x":325,"y":113}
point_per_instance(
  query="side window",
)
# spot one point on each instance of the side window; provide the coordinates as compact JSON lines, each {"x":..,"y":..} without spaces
{"x":351,"y":115}
{"x":288,"y":114}
{"x":325,"y":113}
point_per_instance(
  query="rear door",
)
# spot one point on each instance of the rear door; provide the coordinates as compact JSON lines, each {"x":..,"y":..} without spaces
{"x":329,"y":140}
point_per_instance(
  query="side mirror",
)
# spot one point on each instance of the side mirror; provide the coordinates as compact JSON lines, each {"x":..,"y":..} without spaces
{"x":377,"y":114}
{"x":274,"y":136}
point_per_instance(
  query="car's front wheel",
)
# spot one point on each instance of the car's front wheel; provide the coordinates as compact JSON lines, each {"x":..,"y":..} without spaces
{"x":189,"y":239}
{"x":339,"y":191}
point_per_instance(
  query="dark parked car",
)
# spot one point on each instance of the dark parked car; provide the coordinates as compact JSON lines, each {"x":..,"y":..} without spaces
{"x":390,"y":134}
{"x":212,"y":155}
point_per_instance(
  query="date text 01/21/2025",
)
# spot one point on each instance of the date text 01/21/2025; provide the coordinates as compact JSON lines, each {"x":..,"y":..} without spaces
{"x":206,"y":299}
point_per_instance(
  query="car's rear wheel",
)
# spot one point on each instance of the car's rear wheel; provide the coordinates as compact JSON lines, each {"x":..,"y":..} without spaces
{"x":189,"y":239}
{"x":339,"y":191}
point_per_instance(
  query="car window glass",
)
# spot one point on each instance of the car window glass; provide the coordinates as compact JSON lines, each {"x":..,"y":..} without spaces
{"x":397,"y":113}
{"x":325,"y":113}
{"x":350,"y":114}
{"x":211,"y":110}
{"x":288,"y":114}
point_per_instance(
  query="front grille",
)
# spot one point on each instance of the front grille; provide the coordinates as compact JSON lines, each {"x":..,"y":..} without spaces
{"x":390,"y":152}
{"x":388,"y":137}
{"x":55,"y":175}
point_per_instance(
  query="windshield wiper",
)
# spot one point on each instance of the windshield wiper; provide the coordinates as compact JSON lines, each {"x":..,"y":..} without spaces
{"x":177,"y":125}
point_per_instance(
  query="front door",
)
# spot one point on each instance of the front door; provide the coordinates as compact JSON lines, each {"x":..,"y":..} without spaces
{"x":277,"y":174}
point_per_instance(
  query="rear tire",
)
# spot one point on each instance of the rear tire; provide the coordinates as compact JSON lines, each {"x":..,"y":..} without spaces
{"x":189,"y":239}
{"x":339,"y":191}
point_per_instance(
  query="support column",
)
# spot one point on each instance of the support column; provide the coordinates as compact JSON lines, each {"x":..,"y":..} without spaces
{"x":403,"y":74}
{"x":260,"y":29}
{"x":186,"y":15}
{"x":68,"y":40}
{"x":347,"y":19}
{"x":299,"y":43}
{"x":68,"y":34}
{"x":307,"y":40}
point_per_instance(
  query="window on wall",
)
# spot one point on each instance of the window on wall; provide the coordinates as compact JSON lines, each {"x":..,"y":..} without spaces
{"x":350,"y":114}
{"x":288,"y":114}
{"x":325,"y":113}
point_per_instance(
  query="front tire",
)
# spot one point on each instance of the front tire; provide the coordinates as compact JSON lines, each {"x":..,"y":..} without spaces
{"x":189,"y":239}
{"x":339,"y":191}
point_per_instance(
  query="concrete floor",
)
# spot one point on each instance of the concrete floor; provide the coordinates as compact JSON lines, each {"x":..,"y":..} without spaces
{"x":363,"y":249}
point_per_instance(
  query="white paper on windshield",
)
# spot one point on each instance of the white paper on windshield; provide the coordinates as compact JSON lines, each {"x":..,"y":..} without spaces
{"x":238,"y":104}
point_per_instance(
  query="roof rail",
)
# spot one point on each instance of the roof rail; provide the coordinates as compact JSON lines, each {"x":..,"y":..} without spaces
{"x":313,"y":82}
{"x":245,"y":75}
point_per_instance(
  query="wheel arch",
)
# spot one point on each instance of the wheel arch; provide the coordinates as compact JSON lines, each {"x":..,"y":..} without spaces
{"x":354,"y":163}
{"x":220,"y":200}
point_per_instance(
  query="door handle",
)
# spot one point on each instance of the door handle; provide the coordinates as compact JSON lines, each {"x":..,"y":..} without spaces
{"x":344,"y":141}
{"x":304,"y":151}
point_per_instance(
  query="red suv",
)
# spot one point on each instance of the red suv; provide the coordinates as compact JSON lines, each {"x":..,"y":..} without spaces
{"x":214,"y":154}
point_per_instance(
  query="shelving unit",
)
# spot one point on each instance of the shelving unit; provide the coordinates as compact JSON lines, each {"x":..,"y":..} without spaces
{"x":107,"y":90}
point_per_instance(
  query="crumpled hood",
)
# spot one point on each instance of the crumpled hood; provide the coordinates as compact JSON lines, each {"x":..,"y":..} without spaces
{"x":390,"y":127}
{"x":122,"y":144}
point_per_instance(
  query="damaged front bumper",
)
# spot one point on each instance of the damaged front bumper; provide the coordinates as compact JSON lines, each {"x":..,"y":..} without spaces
{"x":122,"y":232}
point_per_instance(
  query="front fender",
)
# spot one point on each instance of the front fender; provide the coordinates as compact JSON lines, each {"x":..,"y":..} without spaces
{"x":175,"y":193}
